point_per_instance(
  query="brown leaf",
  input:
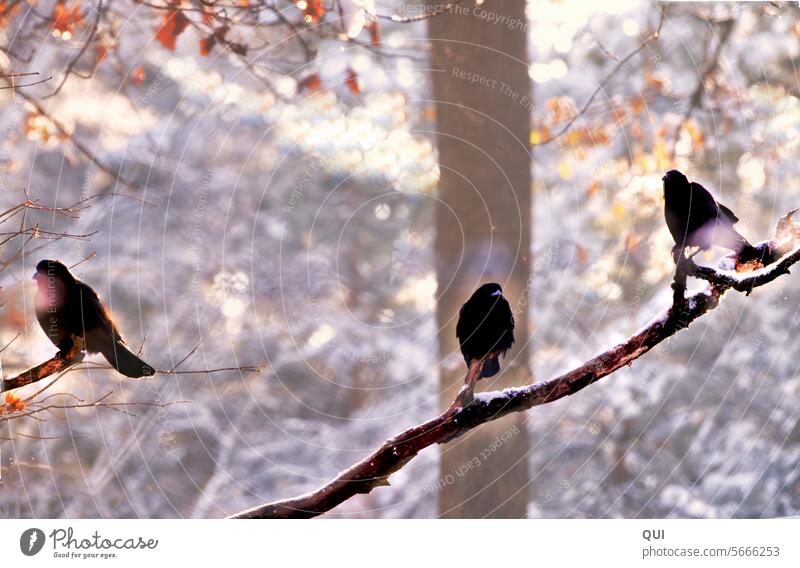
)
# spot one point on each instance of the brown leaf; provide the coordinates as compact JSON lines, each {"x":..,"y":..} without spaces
{"x":310,"y":83}
{"x":374,"y":33}
{"x":7,"y":12}
{"x":138,"y":75}
{"x":100,"y":52}
{"x":313,"y":10}
{"x":207,"y":44}
{"x":66,"y":19}
{"x":173,"y":24}
{"x":352,"y":82}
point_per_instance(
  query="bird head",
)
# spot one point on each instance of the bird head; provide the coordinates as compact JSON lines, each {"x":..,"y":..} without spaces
{"x":492,"y":289}
{"x":674,"y":178}
{"x":52,"y":269}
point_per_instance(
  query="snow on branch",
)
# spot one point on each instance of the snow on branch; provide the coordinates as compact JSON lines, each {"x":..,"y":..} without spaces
{"x":778,"y":255}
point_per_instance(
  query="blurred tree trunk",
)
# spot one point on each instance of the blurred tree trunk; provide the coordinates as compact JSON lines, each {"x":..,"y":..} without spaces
{"x":483,"y":105}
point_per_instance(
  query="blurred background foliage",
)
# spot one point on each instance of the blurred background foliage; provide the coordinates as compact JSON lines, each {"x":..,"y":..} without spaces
{"x":275,"y":206}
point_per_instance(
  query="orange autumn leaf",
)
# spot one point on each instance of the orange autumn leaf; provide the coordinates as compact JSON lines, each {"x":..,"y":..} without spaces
{"x":694,"y":133}
{"x":592,"y":188}
{"x":7,"y":12}
{"x":562,"y":109}
{"x":100,"y":52}
{"x":656,"y":81}
{"x":173,"y":24}
{"x":313,"y":10}
{"x":42,"y":129}
{"x":310,"y":83}
{"x":374,"y":33}
{"x":594,"y":136}
{"x":66,"y":19}
{"x":540,"y":135}
{"x":207,"y":44}
{"x":639,"y":104}
{"x":13,"y":402}
{"x":631,"y":242}
{"x":618,"y":114}
{"x":352,"y":82}
{"x":581,"y":253}
{"x":138,"y":75}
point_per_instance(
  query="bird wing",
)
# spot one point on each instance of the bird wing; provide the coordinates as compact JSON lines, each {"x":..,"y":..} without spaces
{"x":102,"y":336}
{"x":92,"y":314}
{"x":703,"y":207}
{"x":460,"y":331}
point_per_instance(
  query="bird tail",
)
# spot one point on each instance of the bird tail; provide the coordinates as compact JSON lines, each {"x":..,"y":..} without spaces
{"x":126,"y":362}
{"x":490,"y":367}
{"x":120,"y":357}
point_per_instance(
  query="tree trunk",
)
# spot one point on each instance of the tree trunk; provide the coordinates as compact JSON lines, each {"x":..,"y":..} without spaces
{"x":483,"y":105}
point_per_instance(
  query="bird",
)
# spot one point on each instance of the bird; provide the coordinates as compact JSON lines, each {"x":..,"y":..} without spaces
{"x":66,"y":307}
{"x":485,"y":329}
{"x":695,"y":218}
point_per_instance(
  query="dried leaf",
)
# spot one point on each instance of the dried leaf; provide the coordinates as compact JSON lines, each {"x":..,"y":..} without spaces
{"x":310,"y":83}
{"x":7,"y":12}
{"x":313,"y":10}
{"x":66,"y":19}
{"x":540,"y":135}
{"x":139,"y":75}
{"x":173,"y":24}
{"x":374,"y":33}
{"x":207,"y":44}
{"x":352,"y":82}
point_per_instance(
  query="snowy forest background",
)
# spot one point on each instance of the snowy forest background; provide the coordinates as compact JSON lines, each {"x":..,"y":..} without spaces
{"x":278,"y":211}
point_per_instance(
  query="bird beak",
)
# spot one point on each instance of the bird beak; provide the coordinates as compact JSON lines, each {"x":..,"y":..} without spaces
{"x":663,"y":178}
{"x":497,"y":293}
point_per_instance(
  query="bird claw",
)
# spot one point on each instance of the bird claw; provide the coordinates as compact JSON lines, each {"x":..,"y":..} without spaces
{"x":465,"y":396}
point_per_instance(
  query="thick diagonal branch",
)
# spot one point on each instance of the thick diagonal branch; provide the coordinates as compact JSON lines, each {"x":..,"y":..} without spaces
{"x":52,"y":366}
{"x":374,"y":470}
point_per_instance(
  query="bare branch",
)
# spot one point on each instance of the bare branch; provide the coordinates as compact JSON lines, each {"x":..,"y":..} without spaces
{"x":374,"y":470}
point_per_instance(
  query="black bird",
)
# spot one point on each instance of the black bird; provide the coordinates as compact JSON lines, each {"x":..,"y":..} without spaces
{"x":695,"y":218}
{"x":65,"y":306}
{"x":485,"y":328}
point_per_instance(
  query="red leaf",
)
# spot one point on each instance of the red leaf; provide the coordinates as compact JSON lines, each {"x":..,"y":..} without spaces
{"x":7,"y":12}
{"x":139,"y":75}
{"x":173,"y":25}
{"x":352,"y":82}
{"x":313,"y":10}
{"x":100,"y":52}
{"x":66,"y":19}
{"x":374,"y":33}
{"x":310,"y":83}
{"x":207,"y":44}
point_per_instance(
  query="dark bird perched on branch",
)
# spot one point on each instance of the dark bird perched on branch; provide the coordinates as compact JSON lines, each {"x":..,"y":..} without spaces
{"x":485,"y":329}
{"x":696,"y":219}
{"x":67,"y":307}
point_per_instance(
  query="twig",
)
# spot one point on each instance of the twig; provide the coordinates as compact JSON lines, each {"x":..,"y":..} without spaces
{"x":621,"y":64}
